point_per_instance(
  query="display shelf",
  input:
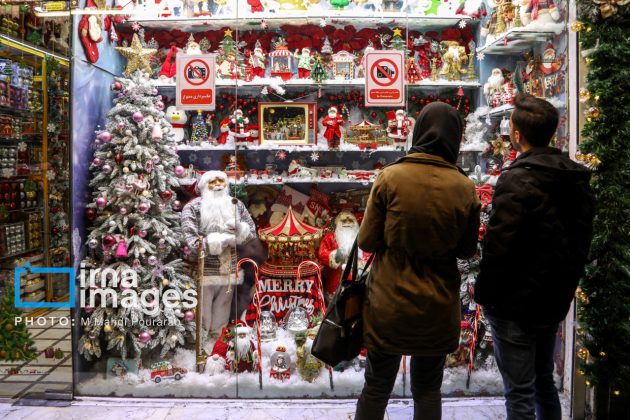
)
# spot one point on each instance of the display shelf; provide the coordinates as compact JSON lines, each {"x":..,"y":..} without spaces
{"x":206,"y":147}
{"x":18,"y":112}
{"x":519,"y":40}
{"x":506,"y":110}
{"x":249,"y":21}
{"x":35,"y":286}
{"x":17,"y":254}
{"x":282,"y":180}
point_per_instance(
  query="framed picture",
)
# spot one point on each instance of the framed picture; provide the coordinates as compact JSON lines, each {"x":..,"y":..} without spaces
{"x":343,"y":65}
{"x":291,"y":123}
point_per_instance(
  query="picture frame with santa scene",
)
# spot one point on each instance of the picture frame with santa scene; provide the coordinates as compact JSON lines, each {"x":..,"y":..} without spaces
{"x":284,"y":123}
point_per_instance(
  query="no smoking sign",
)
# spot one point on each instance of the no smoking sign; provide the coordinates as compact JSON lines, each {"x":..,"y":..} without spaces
{"x":384,"y":84}
{"x":195,"y":82}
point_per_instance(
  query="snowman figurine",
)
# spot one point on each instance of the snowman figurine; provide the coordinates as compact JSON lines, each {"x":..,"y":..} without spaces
{"x":178,"y":120}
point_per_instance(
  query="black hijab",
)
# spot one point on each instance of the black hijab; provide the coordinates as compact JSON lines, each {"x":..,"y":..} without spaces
{"x":438,"y":131}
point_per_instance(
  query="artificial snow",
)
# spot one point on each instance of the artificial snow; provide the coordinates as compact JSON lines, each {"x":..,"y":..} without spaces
{"x":347,"y":384}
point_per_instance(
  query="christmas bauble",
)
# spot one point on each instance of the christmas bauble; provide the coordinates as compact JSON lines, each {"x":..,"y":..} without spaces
{"x":189,"y":316}
{"x":97,"y":162}
{"x":133,"y":230}
{"x":112,"y":223}
{"x":154,"y":91}
{"x":120,"y":125}
{"x":145,"y":193}
{"x":161,"y":242}
{"x":101,"y":202}
{"x":186,"y":250}
{"x":117,"y":86}
{"x":159,"y":105}
{"x":118,"y":158}
{"x":90,"y":214}
{"x":142,"y":233}
{"x":105,"y":136}
{"x":166,"y":195}
{"x":107,"y":169}
{"x":177,"y":205}
{"x":165,"y":282}
{"x":107,"y":328}
{"x":123,"y":211}
{"x":109,"y":241}
{"x":161,"y":207}
{"x":8,"y":327}
{"x":179,"y":170}
{"x":144,"y":337}
{"x":137,"y":116}
{"x":142,"y":251}
{"x":143,"y":207}
{"x":93,"y":243}
{"x":152,"y":260}
{"x":155,"y":159}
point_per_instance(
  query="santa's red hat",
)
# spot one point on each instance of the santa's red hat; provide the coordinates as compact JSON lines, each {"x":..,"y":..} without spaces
{"x":242,"y":328}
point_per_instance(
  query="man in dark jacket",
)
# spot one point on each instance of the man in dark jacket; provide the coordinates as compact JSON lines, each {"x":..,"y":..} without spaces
{"x":534,"y":254}
{"x":422,"y":214}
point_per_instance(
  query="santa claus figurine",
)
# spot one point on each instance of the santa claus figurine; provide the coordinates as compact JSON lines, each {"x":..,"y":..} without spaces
{"x":335,"y":249}
{"x":543,"y":11}
{"x":221,"y":223}
{"x":280,"y":364}
{"x":508,"y":93}
{"x":305,"y":62}
{"x":476,"y":9}
{"x":241,"y":354}
{"x":398,"y":128}
{"x":332,"y":124}
{"x":492,"y":88}
{"x":257,"y":60}
{"x":239,"y":128}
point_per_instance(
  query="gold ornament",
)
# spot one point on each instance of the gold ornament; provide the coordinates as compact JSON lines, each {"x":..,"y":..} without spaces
{"x":397,"y":32}
{"x":500,"y":147}
{"x":585,"y":95}
{"x":107,"y":328}
{"x":616,"y":393}
{"x":577,"y":26}
{"x":602,"y":353}
{"x":582,"y":353}
{"x":588,"y":383}
{"x":227,"y":32}
{"x":609,"y":8}
{"x":593,"y":113}
{"x":137,"y":57}
{"x":165,"y":282}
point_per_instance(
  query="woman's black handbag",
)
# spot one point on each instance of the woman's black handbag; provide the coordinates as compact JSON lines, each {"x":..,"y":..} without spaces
{"x":340,"y":336}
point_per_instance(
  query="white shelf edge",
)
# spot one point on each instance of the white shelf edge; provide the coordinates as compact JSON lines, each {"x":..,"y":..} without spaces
{"x":303,"y":83}
{"x":531,"y":29}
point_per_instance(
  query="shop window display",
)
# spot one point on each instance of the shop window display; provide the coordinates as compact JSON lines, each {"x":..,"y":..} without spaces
{"x":294,"y":144}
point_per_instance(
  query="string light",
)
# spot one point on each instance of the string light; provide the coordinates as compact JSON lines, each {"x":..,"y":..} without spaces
{"x":616,"y":392}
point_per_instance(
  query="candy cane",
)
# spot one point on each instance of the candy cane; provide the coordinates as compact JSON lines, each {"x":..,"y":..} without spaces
{"x":257,"y":306}
{"x":404,"y":374}
{"x":473,"y":344}
{"x":320,"y":298}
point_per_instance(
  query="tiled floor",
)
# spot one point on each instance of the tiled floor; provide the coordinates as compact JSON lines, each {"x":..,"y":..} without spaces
{"x":41,"y":374}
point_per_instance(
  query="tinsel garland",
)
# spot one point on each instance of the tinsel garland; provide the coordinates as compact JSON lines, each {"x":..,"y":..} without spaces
{"x":604,"y":295}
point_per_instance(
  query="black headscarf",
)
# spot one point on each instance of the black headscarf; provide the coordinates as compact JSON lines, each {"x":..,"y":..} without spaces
{"x":438,"y":131}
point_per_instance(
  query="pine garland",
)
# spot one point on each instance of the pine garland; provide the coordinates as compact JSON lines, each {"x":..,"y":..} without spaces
{"x":604,"y":296}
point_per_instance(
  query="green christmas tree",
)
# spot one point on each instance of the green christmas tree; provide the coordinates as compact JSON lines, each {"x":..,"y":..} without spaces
{"x":397,"y":42}
{"x":16,"y":344}
{"x":319,"y":72}
{"x":339,"y":4}
{"x":228,"y":46}
{"x":135,"y":231}
{"x":199,"y":129}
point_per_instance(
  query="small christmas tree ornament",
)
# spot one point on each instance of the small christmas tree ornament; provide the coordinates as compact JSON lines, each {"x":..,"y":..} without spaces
{"x":156,"y":133}
{"x":413,"y":71}
{"x":199,"y":129}
{"x":121,"y":249}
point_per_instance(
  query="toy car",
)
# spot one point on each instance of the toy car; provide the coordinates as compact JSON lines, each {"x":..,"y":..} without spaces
{"x":164,"y":370}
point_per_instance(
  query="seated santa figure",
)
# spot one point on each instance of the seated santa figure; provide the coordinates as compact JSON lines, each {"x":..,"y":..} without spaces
{"x":335,"y":249}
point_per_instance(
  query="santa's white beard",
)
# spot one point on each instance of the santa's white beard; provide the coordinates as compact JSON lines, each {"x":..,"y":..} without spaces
{"x":495,"y":82}
{"x":242,"y":348}
{"x":345,"y":237}
{"x":332,"y":115}
{"x":216,"y":209}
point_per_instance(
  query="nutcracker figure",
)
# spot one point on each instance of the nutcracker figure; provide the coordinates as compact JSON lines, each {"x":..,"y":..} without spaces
{"x":333,"y":122}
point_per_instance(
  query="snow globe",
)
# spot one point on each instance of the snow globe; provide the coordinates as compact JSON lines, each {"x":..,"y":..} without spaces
{"x":296,"y":320}
{"x":268,"y":326}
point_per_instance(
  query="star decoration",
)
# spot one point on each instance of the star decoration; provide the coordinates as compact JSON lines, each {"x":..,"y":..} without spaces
{"x":314,"y":156}
{"x":397,"y":32}
{"x":137,"y":57}
{"x":281,"y":155}
{"x":322,"y":22}
{"x":462,"y":24}
{"x":135,"y":26}
{"x":481,"y":56}
{"x":227,"y":32}
{"x":263,"y":24}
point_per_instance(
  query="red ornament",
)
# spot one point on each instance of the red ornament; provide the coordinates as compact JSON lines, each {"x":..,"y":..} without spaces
{"x":413,"y":99}
{"x":90,"y":214}
{"x":221,"y":107}
{"x":373,"y":114}
{"x":321,"y":110}
{"x":224,"y":96}
{"x":109,"y":241}
{"x":448,"y":101}
{"x":118,"y":158}
{"x":133,"y":230}
{"x":252,"y":100}
{"x":331,"y":97}
{"x":431,"y":97}
{"x":166,"y":195}
{"x":422,"y":101}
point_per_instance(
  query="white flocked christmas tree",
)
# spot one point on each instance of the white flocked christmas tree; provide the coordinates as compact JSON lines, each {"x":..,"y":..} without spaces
{"x":135,"y":227}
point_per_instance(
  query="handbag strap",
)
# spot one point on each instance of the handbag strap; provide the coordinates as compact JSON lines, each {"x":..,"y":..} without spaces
{"x":352,"y":266}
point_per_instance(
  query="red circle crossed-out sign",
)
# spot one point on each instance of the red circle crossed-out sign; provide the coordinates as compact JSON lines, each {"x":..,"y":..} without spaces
{"x":380,"y":70}
{"x":197,"y":72}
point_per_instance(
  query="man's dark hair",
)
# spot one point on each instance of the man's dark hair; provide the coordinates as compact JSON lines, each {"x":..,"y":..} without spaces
{"x":535,"y":118}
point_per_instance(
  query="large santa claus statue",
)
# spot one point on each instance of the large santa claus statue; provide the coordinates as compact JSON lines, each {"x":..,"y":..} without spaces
{"x":335,"y":249}
{"x":221,"y":223}
{"x":242,"y":355}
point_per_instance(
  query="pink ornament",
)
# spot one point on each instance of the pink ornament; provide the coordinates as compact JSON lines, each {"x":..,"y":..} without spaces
{"x":148,"y":167}
{"x":93,"y":243}
{"x":159,"y":105}
{"x":156,"y":133}
{"x":161,"y":207}
{"x":105,"y":136}
{"x":107,"y":169}
{"x":97,"y":162}
{"x":117,"y":86}
{"x":144,"y":337}
{"x":136,"y":264}
{"x":121,"y":249}
{"x":186,"y":250}
{"x":143,"y":233}
{"x":154,"y":91}
{"x":177,"y":205}
{"x":174,"y":149}
{"x":123,"y":211}
{"x":152,"y":260}
{"x":120,"y":125}
{"x":143,"y":207}
{"x":155,"y":159}
{"x":101,"y":202}
{"x":179,"y":171}
{"x":189,"y":316}
{"x":137,"y":117}
{"x":162,"y":242}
